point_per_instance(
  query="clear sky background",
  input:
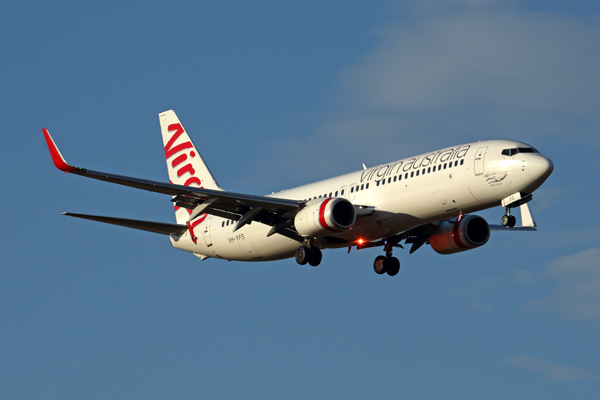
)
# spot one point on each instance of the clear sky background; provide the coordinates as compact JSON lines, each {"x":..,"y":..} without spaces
{"x":278,"y":94}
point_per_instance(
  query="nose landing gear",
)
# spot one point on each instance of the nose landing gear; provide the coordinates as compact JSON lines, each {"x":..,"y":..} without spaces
{"x":507,"y":219}
{"x":386,"y":264}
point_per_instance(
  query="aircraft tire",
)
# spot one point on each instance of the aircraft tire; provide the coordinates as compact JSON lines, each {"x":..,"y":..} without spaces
{"x":314,"y":256}
{"x":512,"y":221}
{"x":302,"y":255}
{"x":392,"y":266}
{"x":505,"y":220}
{"x":379,"y":265}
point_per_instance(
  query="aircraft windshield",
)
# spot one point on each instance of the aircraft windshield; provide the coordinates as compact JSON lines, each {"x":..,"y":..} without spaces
{"x":512,"y":152}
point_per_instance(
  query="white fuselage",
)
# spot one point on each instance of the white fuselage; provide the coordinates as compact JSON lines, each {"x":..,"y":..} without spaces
{"x":404,"y":194}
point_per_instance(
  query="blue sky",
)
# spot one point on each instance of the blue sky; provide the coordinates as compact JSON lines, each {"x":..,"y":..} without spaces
{"x":276,"y":95}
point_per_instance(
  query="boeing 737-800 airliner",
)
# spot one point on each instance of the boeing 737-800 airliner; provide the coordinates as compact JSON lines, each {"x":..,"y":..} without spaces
{"x":428,"y":198}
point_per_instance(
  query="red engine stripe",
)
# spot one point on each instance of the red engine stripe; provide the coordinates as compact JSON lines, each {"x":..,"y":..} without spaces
{"x":456,"y":235}
{"x":322,"y":220}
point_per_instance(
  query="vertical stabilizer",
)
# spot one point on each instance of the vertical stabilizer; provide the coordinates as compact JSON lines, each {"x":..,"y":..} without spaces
{"x":184,"y":162}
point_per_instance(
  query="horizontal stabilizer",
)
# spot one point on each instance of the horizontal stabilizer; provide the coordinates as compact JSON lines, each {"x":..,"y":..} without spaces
{"x":514,"y":228}
{"x":156,"y":227}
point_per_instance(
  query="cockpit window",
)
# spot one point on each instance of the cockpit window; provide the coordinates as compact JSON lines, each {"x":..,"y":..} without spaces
{"x":512,"y":152}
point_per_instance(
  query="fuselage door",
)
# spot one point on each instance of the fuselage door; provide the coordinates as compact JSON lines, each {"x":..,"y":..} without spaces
{"x":206,"y":231}
{"x":480,"y":160}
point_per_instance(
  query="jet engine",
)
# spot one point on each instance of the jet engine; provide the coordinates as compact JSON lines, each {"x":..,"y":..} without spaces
{"x":322,"y":217}
{"x":454,"y":236}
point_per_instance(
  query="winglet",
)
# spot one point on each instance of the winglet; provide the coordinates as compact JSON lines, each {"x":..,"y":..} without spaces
{"x":57,"y":158}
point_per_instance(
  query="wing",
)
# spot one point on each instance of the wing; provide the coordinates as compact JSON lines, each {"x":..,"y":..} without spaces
{"x":244,"y":208}
{"x":418,"y":236}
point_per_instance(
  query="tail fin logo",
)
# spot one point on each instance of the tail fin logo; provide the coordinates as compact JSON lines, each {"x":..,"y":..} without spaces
{"x":171,"y":151}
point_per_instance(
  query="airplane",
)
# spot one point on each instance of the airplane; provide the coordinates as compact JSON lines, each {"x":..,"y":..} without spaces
{"x":425,"y":199}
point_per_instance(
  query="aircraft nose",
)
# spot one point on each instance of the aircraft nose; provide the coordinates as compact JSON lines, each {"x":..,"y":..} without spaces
{"x":540,"y":169}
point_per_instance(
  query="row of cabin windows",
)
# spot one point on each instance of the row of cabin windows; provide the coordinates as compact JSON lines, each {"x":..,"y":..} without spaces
{"x":361,"y":187}
{"x":423,"y":172}
{"x":390,"y":179}
{"x":331,"y":194}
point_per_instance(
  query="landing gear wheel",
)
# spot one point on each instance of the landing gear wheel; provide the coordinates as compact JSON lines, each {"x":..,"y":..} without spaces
{"x":392,"y":266}
{"x":314,"y":256}
{"x":379,"y":264}
{"x":302,"y":255}
{"x":512,"y":221}
{"x":508,"y":220}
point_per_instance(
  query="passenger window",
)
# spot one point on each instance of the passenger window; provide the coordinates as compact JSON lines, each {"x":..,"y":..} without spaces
{"x":400,"y":177}
{"x":342,"y":193}
{"x":462,"y":162}
{"x":389,"y":180}
{"x":417,"y":172}
{"x":362,"y":187}
{"x":377,"y":182}
{"x":429,"y":170}
{"x":330,"y":194}
{"x":455,"y":163}
{"x":450,"y":165}
{"x":406,"y":175}
{"x":367,"y":186}
{"x":336,"y":192}
{"x":412,"y":174}
{"x":383,"y":181}
{"x":444,"y":165}
{"x":222,"y":224}
{"x":394,"y":179}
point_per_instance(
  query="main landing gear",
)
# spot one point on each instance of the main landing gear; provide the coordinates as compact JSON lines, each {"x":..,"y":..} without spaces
{"x":387,"y":264}
{"x":310,"y":255}
{"x":508,"y":220}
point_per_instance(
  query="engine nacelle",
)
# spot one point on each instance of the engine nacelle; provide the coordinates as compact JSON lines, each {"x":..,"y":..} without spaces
{"x":325,"y":216}
{"x":454,"y":236}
